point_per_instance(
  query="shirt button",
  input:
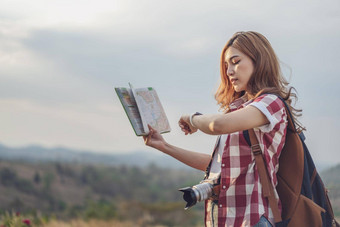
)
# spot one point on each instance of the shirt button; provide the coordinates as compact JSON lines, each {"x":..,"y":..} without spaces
{"x":224,"y":187}
{"x":223,"y":165}
{"x":220,"y":205}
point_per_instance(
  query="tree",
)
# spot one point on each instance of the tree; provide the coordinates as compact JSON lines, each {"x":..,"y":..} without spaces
{"x":7,"y":176}
{"x":37,"y":178}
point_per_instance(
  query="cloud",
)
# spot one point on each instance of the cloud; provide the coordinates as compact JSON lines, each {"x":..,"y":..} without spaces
{"x":95,"y":127}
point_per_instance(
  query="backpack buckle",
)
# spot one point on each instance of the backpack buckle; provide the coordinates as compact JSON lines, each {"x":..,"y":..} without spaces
{"x":256,"y":149}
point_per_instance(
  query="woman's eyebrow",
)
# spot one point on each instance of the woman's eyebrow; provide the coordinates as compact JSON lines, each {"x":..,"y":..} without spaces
{"x":232,"y":57}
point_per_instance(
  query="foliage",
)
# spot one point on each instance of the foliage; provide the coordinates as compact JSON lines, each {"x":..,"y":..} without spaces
{"x":331,"y":179}
{"x":145,"y":196}
{"x":16,"y":219}
{"x":149,"y":195}
{"x":37,"y":178}
{"x":9,"y":178}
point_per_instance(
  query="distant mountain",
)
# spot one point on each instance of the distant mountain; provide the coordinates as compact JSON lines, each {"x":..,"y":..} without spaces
{"x":331,"y":175}
{"x":65,"y":155}
{"x":138,"y":158}
{"x":331,"y":179}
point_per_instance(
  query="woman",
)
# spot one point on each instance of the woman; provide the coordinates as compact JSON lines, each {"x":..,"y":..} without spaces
{"x":251,"y":82}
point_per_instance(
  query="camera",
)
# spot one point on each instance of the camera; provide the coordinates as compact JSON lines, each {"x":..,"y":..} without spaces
{"x":202,"y":191}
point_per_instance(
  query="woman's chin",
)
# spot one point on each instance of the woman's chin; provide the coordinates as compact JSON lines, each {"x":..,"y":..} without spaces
{"x":238,"y":89}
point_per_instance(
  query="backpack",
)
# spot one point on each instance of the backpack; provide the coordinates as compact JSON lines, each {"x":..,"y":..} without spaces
{"x":302,"y":193}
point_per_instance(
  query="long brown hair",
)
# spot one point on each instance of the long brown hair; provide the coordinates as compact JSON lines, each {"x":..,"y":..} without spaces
{"x":266,"y":78}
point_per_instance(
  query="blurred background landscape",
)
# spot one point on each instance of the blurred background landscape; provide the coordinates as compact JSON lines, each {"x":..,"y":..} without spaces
{"x":65,"y":185}
{"x":68,"y":154}
{"x":58,"y":187}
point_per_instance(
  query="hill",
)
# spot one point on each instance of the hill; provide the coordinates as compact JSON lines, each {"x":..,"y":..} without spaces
{"x":68,"y":183}
{"x":66,"y":190}
{"x":331,"y":178}
{"x":36,"y":154}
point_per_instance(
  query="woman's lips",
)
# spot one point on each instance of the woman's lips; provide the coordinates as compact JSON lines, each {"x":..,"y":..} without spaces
{"x":233,"y":80}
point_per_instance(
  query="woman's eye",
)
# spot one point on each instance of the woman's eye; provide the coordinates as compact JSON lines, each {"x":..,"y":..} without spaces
{"x":235,"y":62}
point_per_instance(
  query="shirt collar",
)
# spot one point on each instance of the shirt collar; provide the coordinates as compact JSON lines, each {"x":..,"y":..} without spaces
{"x":237,"y":103}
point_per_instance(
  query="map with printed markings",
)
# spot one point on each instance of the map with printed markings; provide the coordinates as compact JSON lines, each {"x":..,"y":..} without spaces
{"x":143,"y":107}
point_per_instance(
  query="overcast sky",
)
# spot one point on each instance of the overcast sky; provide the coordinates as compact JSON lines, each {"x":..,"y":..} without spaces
{"x":59,"y":62}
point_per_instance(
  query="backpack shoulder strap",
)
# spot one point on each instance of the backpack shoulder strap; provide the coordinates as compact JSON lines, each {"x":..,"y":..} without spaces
{"x":262,"y":170}
{"x":267,"y":187}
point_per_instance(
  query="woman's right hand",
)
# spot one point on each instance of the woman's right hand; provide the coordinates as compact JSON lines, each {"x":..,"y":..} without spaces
{"x":185,"y":125}
{"x":154,"y":139}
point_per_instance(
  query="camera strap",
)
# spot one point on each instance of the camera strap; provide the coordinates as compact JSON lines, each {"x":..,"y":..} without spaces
{"x":207,"y":171}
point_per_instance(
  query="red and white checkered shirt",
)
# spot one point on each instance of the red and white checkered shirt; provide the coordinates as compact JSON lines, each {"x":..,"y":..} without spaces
{"x":240,"y":201}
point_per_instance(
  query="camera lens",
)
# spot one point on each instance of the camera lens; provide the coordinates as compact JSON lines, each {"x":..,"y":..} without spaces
{"x":198,"y":193}
{"x":189,"y":196}
{"x":203,"y":190}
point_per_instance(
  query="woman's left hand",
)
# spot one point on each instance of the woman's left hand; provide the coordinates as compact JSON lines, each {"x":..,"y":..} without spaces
{"x":184,"y":124}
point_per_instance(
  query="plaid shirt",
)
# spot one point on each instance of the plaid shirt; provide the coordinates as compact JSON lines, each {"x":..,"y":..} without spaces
{"x":240,"y":201}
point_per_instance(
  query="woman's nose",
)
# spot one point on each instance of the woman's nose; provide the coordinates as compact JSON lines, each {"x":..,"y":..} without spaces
{"x":230,"y":71}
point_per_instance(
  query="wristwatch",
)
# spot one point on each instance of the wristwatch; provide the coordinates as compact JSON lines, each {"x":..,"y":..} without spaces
{"x":191,"y":116}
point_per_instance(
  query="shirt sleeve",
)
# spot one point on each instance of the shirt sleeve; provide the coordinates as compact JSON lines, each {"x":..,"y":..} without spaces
{"x":273,"y":108}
